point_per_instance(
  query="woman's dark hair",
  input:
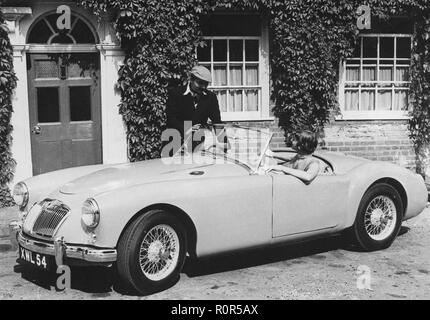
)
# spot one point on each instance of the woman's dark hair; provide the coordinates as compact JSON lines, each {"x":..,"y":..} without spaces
{"x":307,"y":142}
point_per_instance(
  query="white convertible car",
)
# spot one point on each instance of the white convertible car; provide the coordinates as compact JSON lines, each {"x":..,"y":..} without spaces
{"x":145,"y":218}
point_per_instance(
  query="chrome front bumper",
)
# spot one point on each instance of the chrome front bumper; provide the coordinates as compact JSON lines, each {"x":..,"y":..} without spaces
{"x":60,"y":250}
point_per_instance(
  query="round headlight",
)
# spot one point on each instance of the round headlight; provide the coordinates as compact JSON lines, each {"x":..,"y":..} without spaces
{"x":20,"y":194}
{"x":90,"y":213}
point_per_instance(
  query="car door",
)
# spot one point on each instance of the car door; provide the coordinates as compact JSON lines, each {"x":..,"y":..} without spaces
{"x":300,"y":208}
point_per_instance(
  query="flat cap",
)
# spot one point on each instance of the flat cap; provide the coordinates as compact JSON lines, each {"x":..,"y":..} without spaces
{"x":201,"y":73}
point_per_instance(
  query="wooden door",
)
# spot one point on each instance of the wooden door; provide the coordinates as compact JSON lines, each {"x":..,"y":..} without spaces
{"x":65,"y":120}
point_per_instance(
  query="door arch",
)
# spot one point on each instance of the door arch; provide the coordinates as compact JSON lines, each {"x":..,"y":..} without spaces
{"x":63,"y":69}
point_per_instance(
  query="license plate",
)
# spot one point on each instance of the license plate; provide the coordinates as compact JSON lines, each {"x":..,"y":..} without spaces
{"x":39,"y":260}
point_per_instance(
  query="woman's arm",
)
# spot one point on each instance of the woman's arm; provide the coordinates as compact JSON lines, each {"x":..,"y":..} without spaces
{"x":271,"y":154}
{"x":306,"y":176}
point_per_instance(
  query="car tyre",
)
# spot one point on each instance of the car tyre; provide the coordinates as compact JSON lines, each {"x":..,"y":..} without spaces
{"x":378,"y":219}
{"x":151,"y":252}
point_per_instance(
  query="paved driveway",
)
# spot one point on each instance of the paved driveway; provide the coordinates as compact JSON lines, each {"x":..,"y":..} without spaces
{"x":316,"y":270}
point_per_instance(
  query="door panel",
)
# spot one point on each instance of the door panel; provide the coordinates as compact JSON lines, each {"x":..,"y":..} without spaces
{"x":48,"y":104}
{"x":299,"y":208}
{"x":65,"y":120}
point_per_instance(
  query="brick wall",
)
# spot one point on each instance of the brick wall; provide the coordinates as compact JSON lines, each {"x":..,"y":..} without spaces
{"x":374,"y":140}
{"x":278,"y":140}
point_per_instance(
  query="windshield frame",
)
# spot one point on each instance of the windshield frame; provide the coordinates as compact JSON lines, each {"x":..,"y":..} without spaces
{"x":225,"y":155}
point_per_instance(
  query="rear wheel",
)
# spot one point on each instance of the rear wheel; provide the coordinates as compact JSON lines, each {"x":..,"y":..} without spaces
{"x":379,"y":218}
{"x":151,"y":252}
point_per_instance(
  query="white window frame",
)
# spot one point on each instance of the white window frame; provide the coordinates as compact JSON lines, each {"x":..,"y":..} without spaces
{"x":403,"y":85}
{"x":263,"y":77}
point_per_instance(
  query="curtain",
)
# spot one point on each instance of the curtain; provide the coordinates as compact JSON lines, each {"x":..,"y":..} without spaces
{"x":235,"y":101}
{"x":236,"y":76}
{"x":385,"y":74}
{"x":252,"y":100}
{"x":384,"y":100}
{"x":351,"y":100}
{"x":220,"y":76}
{"x":222,"y":100}
{"x":352,"y":74}
{"x":401,"y":101}
{"x":252,"y":75}
{"x":368,"y":100}
{"x":369,"y":74}
{"x":402,"y":74}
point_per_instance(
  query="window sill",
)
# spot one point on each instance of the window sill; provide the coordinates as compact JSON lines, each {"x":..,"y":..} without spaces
{"x":372,"y":115}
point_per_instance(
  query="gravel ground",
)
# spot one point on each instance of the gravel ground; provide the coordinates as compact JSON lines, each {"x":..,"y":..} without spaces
{"x":316,"y":270}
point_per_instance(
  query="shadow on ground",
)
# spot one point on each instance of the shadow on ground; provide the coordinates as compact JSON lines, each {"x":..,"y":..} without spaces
{"x":101,"y":281}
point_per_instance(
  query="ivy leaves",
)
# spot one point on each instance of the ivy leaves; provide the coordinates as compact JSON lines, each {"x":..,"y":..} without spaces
{"x":159,"y":38}
{"x":7,"y":85}
{"x":309,"y":38}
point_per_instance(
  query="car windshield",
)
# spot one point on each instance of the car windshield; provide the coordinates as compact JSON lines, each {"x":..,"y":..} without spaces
{"x":240,"y":144}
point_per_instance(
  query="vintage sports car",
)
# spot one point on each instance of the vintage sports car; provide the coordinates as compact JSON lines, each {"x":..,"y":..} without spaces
{"x":145,"y":218}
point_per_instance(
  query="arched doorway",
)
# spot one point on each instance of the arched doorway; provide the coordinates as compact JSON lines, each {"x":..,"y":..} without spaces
{"x":63,"y":68}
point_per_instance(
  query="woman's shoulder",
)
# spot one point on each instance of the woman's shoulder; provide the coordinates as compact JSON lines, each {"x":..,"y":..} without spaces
{"x":308,"y":161}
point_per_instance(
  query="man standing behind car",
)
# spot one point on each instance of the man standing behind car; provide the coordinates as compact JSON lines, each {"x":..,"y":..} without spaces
{"x":192,"y":104}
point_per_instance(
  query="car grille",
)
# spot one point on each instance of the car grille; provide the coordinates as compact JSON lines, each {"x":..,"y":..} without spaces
{"x":52,"y":214}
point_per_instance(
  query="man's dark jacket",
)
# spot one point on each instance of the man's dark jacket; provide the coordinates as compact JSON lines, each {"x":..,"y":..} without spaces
{"x":181,"y":108}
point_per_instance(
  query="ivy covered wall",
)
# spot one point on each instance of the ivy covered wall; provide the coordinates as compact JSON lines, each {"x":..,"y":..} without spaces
{"x":309,"y":38}
{"x":7,"y":85}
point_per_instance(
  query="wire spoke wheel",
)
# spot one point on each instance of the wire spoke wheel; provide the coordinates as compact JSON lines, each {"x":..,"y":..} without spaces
{"x":380,"y":218}
{"x":159,"y":252}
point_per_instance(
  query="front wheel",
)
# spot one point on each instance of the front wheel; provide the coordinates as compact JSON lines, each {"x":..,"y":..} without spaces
{"x":379,"y":218}
{"x":151,"y":252}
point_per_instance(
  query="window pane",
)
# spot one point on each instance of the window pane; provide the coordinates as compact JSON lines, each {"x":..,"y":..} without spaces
{"x":235,"y":101}
{"x":222,"y":99}
{"x":220,"y":50}
{"x":62,"y":39}
{"x":48,"y":109}
{"x":236,"y":50}
{"x":75,"y":71}
{"x":369,"y":47}
{"x":369,"y":74}
{"x":40,"y":33}
{"x":220,"y":75}
{"x":252,"y":75}
{"x":352,"y":74}
{"x":386,"y":49}
{"x":236,"y":75}
{"x":252,"y":100}
{"x":402,"y":74}
{"x":368,"y":100}
{"x":351,"y":100}
{"x":384,"y":100}
{"x":80,"y":103}
{"x":401,"y":102}
{"x":204,"y":54}
{"x":385,"y":74}
{"x":251,"y":50}
{"x":404,"y":48}
{"x":46,"y":68}
{"x":82,"y":65}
